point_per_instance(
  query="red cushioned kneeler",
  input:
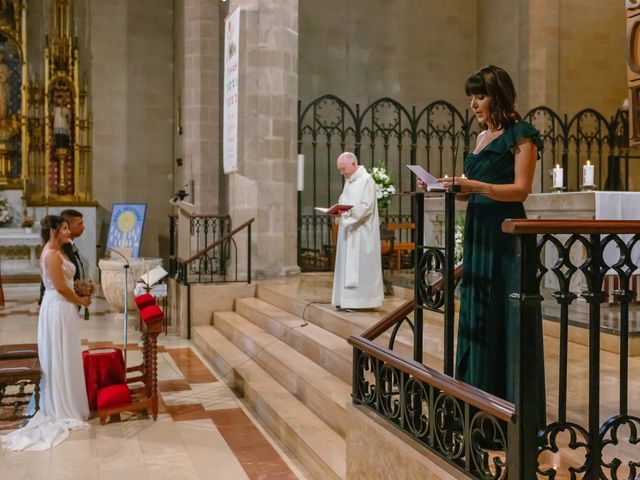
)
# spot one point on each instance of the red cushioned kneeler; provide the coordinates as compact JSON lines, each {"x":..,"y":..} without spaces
{"x":102,"y":367}
{"x":113,"y":396}
{"x":145,"y":300}
{"x":151,"y":314}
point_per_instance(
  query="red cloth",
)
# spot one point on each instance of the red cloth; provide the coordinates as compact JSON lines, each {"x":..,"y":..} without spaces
{"x":102,"y":367}
{"x":113,"y":396}
{"x":151,"y":314}
{"x":145,"y":300}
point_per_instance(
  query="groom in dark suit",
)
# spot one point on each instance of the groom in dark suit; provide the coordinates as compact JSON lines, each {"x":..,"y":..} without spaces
{"x":76,"y":226}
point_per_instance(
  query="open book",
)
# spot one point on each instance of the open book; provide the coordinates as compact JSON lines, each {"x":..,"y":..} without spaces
{"x":154,"y":275}
{"x":336,"y":209}
{"x":429,"y":180}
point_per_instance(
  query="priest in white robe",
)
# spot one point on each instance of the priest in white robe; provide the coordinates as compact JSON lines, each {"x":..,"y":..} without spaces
{"x":357,"y":281}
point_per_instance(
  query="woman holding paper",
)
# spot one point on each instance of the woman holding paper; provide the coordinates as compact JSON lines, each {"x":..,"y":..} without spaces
{"x":498,"y":178}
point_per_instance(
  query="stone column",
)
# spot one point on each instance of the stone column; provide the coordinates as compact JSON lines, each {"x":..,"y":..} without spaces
{"x":200,"y":104}
{"x":539,"y":53}
{"x":265,"y":185}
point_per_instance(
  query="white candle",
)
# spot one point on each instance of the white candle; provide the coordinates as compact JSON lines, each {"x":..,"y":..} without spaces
{"x":300,"y":172}
{"x":588,"y":174}
{"x":557,"y":177}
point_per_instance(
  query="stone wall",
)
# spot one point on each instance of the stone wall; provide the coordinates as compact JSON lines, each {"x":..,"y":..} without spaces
{"x":414,"y":51}
{"x":567,"y":54}
{"x":592,"y":60}
{"x":132,"y":106}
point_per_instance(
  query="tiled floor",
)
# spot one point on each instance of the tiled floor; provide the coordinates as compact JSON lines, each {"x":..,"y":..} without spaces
{"x":203,"y":431}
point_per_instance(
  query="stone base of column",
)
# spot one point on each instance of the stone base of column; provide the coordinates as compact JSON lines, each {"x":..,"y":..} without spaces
{"x":277,"y":271}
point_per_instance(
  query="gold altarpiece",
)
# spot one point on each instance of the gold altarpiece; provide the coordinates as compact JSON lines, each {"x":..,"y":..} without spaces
{"x":45,"y":129}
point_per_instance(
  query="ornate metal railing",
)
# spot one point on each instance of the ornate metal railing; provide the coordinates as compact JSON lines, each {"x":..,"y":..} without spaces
{"x":203,"y":231}
{"x":598,"y":450}
{"x":317,"y":242}
{"x":436,"y":137}
{"x":210,"y":265}
{"x":478,"y":433}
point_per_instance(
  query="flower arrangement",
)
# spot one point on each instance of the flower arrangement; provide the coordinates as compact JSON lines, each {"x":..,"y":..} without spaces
{"x":5,"y":213}
{"x":384,"y":186}
{"x":458,"y":248}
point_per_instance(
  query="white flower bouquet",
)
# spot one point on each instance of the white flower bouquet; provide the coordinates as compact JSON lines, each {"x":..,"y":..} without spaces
{"x":384,"y":186}
{"x":458,"y":249}
{"x":5,"y":213}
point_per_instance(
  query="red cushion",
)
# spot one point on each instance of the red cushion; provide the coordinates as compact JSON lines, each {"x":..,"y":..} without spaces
{"x":151,"y":314}
{"x":113,"y":396}
{"x":145,"y":300}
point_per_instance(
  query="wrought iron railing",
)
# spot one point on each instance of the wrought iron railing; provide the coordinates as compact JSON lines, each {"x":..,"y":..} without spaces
{"x":210,"y":265}
{"x":203,"y":231}
{"x":317,"y":243}
{"x":478,"y":433}
{"x":388,"y":133}
{"x":606,"y":245}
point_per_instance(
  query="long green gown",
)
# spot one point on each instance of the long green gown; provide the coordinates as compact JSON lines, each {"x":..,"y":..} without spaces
{"x":486,"y":337}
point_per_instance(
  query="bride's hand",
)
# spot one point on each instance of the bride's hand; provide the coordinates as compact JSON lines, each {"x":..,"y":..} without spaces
{"x":85,"y":301}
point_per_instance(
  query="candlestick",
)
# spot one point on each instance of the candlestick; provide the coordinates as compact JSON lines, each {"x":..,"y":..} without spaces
{"x":558,"y":177}
{"x":588,"y":174}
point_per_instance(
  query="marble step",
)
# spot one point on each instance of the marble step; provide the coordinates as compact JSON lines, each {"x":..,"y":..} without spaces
{"x":324,"y":348}
{"x":321,"y":391}
{"x":345,"y":324}
{"x":315,"y":445}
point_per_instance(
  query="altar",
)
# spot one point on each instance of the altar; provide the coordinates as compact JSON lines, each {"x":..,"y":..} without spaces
{"x":18,"y":251}
{"x":575,"y":206}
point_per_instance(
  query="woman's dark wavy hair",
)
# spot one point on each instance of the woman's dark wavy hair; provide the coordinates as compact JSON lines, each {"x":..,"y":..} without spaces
{"x":50,"y":222}
{"x":497,"y":84}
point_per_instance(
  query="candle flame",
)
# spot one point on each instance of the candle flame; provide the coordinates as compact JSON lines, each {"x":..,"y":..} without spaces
{"x":557,"y":165}
{"x":446,"y":176}
{"x":588,"y":162}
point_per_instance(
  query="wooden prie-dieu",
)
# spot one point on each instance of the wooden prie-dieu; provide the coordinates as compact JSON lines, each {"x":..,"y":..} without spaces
{"x":144,"y":396}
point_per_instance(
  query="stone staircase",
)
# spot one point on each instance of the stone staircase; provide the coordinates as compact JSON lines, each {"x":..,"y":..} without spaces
{"x":288,"y":357}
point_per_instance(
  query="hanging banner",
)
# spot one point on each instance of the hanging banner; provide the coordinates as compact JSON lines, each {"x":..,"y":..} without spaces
{"x":231,"y":91}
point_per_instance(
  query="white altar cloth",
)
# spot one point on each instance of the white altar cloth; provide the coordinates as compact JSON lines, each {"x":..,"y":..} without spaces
{"x":618,"y":206}
{"x":15,"y":238}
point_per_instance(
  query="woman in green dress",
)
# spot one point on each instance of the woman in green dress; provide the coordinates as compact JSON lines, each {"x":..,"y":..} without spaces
{"x":500,"y":173}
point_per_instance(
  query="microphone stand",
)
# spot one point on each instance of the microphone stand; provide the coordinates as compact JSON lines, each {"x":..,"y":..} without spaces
{"x":126,"y":287}
{"x":448,"y":276}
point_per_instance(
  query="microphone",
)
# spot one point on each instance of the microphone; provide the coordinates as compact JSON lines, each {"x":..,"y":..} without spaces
{"x":125,"y":313}
{"x":113,"y":250}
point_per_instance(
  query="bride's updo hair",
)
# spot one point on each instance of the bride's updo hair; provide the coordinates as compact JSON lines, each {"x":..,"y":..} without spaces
{"x":50,"y":222}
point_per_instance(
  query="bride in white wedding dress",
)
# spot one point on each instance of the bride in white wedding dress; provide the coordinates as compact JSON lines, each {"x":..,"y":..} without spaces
{"x":63,"y":396}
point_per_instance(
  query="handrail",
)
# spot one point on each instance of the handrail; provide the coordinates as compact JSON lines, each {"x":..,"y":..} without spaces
{"x":217,"y":242}
{"x":206,"y":215}
{"x":379,"y":328}
{"x":487,"y":402}
{"x":523,"y":227}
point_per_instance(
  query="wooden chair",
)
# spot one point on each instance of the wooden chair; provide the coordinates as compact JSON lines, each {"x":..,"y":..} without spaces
{"x":394,"y":248}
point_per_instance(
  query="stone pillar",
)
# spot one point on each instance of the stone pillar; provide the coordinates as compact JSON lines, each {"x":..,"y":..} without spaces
{"x":539,"y":53}
{"x":265,"y":185}
{"x":200,"y":105}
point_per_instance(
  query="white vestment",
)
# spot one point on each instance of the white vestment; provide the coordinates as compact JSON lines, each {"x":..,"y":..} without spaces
{"x":357,"y":281}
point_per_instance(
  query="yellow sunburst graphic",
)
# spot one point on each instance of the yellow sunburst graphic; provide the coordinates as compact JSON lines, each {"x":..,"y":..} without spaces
{"x":126,"y":221}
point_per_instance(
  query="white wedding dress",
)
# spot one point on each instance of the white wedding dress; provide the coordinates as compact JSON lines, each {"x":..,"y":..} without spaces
{"x":63,"y":396}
